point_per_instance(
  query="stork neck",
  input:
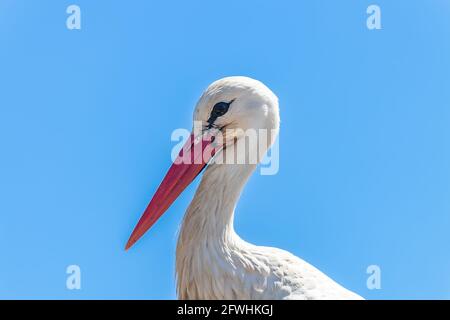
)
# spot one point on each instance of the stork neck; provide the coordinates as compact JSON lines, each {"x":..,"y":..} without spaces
{"x":211,"y":213}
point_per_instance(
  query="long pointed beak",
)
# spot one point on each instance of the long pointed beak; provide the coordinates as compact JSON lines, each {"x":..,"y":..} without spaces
{"x":194,"y":156}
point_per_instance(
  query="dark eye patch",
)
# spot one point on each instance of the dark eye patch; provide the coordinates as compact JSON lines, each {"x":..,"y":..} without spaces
{"x":218,"y":110}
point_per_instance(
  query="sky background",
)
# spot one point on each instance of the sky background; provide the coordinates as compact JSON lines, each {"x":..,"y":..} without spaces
{"x":86,"y":118}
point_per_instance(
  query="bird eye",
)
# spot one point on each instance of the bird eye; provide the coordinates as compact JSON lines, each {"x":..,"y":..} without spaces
{"x":220,"y":109}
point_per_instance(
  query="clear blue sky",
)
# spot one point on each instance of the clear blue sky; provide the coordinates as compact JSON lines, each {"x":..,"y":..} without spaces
{"x":86,"y":118}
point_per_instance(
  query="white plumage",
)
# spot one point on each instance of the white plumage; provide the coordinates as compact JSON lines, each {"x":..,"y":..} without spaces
{"x":212,"y":261}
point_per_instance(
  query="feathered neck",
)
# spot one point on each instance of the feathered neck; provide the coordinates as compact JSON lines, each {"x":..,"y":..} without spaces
{"x":207,"y":237}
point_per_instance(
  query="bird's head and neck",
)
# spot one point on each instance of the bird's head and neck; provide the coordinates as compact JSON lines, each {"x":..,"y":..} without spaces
{"x":242,"y":115}
{"x":236,"y":120}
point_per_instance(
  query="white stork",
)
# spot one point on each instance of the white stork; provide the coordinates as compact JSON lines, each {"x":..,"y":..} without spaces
{"x":212,"y":261}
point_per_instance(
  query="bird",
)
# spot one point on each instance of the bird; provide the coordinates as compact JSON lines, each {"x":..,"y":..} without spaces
{"x":212,"y":261}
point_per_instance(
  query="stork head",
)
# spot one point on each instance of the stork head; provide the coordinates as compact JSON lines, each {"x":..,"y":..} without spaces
{"x":230,"y":111}
{"x":238,"y":103}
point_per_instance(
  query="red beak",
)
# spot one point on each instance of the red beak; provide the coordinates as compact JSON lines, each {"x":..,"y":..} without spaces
{"x":194,"y":156}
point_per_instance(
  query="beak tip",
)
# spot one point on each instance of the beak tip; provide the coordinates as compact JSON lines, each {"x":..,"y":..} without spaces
{"x":129,"y":244}
{"x":135,"y":236}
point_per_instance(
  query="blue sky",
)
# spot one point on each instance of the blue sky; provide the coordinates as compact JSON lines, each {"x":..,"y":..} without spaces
{"x":86,"y":117}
